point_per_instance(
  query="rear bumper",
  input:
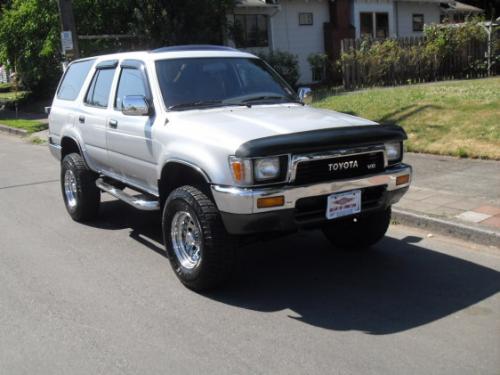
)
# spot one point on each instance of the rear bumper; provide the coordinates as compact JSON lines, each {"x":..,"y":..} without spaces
{"x":304,"y":206}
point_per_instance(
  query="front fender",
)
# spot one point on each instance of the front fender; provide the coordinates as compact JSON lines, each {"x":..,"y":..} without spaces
{"x":212,"y":164}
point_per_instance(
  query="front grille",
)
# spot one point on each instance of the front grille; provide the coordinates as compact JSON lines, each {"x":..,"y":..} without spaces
{"x":339,"y":168}
{"x":315,"y":207}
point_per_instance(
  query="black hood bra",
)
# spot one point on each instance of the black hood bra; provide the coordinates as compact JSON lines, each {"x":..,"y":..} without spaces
{"x":321,"y":140}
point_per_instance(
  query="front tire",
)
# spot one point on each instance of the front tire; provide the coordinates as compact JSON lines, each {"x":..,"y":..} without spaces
{"x":81,"y":195}
{"x":201,"y":252}
{"x":360,"y":233}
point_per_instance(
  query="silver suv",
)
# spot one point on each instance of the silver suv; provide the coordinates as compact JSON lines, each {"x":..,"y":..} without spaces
{"x":221,"y":144}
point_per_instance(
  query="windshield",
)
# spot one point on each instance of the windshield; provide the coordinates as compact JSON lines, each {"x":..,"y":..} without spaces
{"x":207,"y":82}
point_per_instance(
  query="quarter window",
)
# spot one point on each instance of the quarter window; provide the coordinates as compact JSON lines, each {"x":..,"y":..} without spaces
{"x":131,"y":83}
{"x":418,"y":22}
{"x":250,"y":30}
{"x":73,"y":79}
{"x":98,"y":92}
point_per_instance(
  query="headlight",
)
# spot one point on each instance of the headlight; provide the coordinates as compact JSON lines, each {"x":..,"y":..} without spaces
{"x":266,"y":168}
{"x":254,"y":171}
{"x":394,"y":151}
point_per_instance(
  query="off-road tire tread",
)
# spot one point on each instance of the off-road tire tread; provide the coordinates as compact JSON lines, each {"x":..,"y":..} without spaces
{"x":89,"y":195}
{"x":218,"y":245}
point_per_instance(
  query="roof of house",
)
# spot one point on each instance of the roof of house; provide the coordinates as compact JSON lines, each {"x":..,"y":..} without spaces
{"x":458,"y":7}
{"x":255,"y":3}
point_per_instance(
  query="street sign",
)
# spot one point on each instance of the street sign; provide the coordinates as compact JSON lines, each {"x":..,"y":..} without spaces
{"x":66,"y":41}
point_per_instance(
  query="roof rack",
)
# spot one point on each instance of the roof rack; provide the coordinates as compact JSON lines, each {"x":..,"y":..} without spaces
{"x":194,"y":47}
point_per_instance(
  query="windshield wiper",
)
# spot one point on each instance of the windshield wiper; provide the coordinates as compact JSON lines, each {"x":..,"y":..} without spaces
{"x":196,"y":104}
{"x":204,"y":104}
{"x":267,"y":98}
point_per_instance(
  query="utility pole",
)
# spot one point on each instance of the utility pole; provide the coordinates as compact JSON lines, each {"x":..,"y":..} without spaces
{"x":69,"y":38}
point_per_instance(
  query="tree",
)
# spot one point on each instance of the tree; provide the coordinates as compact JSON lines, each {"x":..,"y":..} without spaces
{"x":168,"y":22}
{"x":29,"y":41}
{"x":30,"y":34}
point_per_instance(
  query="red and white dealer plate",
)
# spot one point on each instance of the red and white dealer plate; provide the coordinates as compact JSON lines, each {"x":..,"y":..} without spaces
{"x":343,"y":204}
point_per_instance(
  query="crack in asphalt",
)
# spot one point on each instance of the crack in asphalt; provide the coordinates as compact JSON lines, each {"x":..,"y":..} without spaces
{"x":28,"y":184}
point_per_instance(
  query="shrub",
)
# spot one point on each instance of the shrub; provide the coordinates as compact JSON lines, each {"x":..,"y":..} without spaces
{"x":320,"y":65}
{"x":5,"y":87}
{"x":446,"y":51}
{"x":285,"y":63}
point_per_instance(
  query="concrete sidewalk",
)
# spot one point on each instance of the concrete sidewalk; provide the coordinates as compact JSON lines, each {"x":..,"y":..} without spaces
{"x":464,"y":192}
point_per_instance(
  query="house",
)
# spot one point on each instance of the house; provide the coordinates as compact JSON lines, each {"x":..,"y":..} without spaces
{"x":304,"y":27}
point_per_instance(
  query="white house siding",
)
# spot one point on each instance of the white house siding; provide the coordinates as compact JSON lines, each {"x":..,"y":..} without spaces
{"x":288,"y":35}
{"x":285,"y":33}
{"x":405,"y":11}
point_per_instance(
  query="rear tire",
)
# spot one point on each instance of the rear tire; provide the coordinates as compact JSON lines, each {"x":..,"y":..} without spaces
{"x":201,"y":252}
{"x":81,"y":195}
{"x":360,"y":234}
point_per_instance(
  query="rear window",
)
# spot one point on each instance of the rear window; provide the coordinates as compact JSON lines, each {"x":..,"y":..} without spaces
{"x":73,"y":79}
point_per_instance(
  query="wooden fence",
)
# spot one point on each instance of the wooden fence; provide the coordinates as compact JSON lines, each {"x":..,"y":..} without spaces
{"x":384,"y":65}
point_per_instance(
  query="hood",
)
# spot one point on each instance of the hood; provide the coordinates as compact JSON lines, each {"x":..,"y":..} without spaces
{"x":229,"y":127}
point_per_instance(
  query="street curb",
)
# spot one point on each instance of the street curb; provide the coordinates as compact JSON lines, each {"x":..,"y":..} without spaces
{"x":445,"y":227}
{"x":15,"y":131}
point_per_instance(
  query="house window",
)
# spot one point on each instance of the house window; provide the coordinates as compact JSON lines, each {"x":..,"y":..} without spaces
{"x":418,"y":22}
{"x":366,"y":22}
{"x":374,"y":25}
{"x":250,"y":30}
{"x":305,"y":19}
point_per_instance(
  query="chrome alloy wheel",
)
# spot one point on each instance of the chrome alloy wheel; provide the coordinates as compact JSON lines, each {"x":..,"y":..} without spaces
{"x":186,"y":235}
{"x":70,"y":188}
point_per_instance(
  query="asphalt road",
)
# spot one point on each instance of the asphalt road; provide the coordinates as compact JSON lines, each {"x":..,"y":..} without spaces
{"x":102,"y":299}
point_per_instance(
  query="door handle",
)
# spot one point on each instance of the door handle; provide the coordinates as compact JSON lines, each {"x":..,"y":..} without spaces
{"x":113,"y":124}
{"x":81,"y":119}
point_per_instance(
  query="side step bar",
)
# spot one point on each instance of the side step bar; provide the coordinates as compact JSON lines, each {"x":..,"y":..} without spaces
{"x":141,"y":202}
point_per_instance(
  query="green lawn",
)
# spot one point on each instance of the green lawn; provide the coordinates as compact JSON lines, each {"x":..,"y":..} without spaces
{"x":459,"y":118}
{"x":31,"y":126}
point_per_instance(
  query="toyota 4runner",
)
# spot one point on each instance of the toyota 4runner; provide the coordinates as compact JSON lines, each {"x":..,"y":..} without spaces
{"x":221,"y":144}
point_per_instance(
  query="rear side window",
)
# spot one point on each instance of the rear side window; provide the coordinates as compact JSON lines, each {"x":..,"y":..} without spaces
{"x":73,"y":79}
{"x":131,"y":83}
{"x":98,"y":93}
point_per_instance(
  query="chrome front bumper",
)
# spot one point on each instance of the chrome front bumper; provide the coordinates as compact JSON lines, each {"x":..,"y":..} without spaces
{"x":234,"y":200}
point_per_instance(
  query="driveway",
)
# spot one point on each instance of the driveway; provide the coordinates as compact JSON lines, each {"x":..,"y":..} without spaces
{"x":101,"y":298}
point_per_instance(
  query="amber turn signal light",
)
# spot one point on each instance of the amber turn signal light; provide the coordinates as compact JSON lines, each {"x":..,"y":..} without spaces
{"x":237,"y":171}
{"x":404,"y":179}
{"x":271,"y":202}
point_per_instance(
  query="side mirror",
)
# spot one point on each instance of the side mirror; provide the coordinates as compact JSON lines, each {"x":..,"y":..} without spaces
{"x":305,"y":95}
{"x":136,"y":105}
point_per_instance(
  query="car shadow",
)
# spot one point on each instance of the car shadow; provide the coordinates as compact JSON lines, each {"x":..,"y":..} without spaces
{"x":392,"y":288}
{"x":145,"y":226}
{"x":396,"y":286}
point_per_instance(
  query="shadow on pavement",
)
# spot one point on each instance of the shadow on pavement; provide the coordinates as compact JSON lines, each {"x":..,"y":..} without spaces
{"x":145,"y":225}
{"x":395,"y":287}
